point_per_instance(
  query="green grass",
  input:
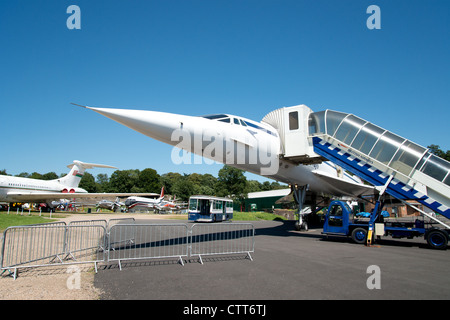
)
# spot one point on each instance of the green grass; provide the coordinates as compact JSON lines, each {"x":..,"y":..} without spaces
{"x":13,"y":219}
{"x":255,"y":216}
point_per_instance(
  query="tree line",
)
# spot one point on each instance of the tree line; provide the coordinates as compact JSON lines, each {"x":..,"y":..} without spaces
{"x":230,"y":182}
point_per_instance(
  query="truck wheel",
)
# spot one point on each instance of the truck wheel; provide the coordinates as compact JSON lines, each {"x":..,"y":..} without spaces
{"x":437,"y":239}
{"x":359,"y":235}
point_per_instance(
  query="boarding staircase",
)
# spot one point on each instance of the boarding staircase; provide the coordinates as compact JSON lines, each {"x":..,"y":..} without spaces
{"x":394,"y":165}
{"x":402,"y":168}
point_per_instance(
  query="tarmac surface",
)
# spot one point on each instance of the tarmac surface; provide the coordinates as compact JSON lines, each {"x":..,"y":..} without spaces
{"x":288,"y":265}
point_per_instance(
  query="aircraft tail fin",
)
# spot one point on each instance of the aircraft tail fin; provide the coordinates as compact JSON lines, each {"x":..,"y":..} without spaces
{"x":77,"y":168}
{"x":162,"y":193}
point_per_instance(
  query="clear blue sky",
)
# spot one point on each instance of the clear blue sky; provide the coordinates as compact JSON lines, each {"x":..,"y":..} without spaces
{"x":245,"y":57}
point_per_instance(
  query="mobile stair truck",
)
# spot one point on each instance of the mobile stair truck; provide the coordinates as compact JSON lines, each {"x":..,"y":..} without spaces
{"x":397,"y":167}
{"x":340,"y":221}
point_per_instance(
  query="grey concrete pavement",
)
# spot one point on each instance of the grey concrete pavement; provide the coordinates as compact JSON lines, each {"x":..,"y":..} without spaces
{"x":288,"y":265}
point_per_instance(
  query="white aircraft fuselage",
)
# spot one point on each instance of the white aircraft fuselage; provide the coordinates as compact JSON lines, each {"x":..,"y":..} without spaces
{"x":144,"y":202}
{"x":141,"y":202}
{"x":10,"y":187}
{"x":242,"y":143}
{"x":19,"y":189}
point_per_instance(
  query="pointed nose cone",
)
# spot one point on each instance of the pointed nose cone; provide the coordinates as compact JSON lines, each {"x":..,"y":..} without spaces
{"x":156,"y":125}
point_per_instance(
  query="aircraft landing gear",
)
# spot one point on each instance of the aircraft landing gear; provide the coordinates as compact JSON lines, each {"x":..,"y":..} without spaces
{"x":301,"y":226}
{"x":299,"y":193}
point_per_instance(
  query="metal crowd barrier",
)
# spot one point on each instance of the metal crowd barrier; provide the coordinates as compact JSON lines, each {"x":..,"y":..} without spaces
{"x":147,"y":241}
{"x":119,"y":240}
{"x":113,"y":222}
{"x":49,"y":245}
{"x":102,"y":223}
{"x":223,"y":238}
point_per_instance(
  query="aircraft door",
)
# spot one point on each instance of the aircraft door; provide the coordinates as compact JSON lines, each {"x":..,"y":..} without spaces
{"x":296,"y":132}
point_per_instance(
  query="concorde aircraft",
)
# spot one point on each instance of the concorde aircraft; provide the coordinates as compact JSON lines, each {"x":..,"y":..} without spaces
{"x":257,"y":147}
{"x":18,"y":189}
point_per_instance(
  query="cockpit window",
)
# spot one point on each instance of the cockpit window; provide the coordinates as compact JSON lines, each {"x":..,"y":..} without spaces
{"x":225,"y":118}
{"x":215,"y":116}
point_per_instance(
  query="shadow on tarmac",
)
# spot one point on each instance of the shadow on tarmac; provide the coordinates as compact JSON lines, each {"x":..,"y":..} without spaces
{"x":286,"y":228}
